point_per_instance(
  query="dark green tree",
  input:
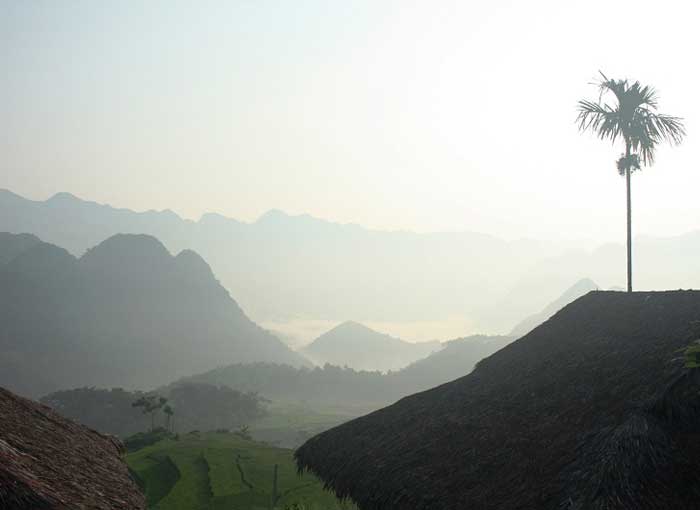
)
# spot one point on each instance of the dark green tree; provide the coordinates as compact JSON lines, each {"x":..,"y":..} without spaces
{"x":168,"y":411}
{"x":632,"y":119}
{"x":150,"y":404}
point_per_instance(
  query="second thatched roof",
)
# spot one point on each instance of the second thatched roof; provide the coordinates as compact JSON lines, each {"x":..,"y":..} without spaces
{"x":592,"y":410}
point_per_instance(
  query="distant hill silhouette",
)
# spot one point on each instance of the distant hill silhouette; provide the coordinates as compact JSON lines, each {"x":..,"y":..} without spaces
{"x":126,"y":313}
{"x":281,"y":266}
{"x":580,"y":288}
{"x":457,"y":358}
{"x":284,"y":267}
{"x":12,"y":245}
{"x":355,"y":345}
{"x":348,"y":387}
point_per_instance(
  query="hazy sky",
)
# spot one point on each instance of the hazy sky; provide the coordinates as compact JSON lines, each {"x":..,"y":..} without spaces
{"x":434,"y":115}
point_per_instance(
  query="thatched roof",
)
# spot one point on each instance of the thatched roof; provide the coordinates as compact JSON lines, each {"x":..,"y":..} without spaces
{"x":593,"y":410}
{"x":49,"y":462}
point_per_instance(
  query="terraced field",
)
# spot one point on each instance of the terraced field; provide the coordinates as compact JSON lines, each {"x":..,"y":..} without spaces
{"x":217,"y":471}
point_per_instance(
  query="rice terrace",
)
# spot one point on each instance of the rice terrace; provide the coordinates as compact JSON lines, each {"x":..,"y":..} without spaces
{"x":222,"y":471}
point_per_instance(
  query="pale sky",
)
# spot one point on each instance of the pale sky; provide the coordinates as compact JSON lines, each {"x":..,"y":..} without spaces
{"x":432,"y":115}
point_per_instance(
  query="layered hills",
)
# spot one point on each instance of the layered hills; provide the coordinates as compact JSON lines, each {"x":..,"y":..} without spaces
{"x":126,"y":313}
{"x":284,"y":267}
{"x":355,"y":345}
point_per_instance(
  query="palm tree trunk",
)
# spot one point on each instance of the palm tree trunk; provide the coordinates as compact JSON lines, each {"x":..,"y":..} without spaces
{"x":628,"y":178}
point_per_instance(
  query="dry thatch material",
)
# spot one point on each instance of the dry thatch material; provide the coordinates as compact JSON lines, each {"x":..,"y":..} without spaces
{"x":593,"y":410}
{"x":49,"y":462}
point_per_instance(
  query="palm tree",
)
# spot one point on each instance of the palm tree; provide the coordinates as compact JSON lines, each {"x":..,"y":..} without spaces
{"x":633,"y":120}
{"x":168,"y":417}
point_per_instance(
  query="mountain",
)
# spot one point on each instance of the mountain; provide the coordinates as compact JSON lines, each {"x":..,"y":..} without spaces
{"x":350,"y":388}
{"x":127,"y":313}
{"x":357,"y":346}
{"x":288,"y":269}
{"x":283,"y":268}
{"x":580,"y":288}
{"x":12,"y":245}
{"x":455,"y":359}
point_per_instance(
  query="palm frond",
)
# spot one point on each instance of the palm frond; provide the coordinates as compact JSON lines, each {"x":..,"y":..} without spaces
{"x":633,"y":118}
{"x":601,"y":119}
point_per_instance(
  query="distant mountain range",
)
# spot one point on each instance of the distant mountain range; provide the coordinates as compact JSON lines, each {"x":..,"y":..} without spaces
{"x":285,"y":267}
{"x":127,"y":313}
{"x":353,"y":389}
{"x":357,"y":346}
{"x":580,"y":288}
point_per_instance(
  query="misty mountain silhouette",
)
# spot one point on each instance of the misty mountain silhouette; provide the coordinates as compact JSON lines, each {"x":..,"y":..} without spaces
{"x":126,"y":313}
{"x":12,"y":245}
{"x":455,"y":359}
{"x":283,"y":266}
{"x":350,"y":388}
{"x":355,"y":345}
{"x":580,"y":288}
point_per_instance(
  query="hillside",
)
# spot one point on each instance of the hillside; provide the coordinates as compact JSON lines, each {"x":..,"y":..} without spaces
{"x":343,"y":387}
{"x":357,"y":346}
{"x":594,"y":409}
{"x":306,"y":401}
{"x":126,"y":313}
{"x":12,"y":245}
{"x":220,"y":471}
{"x":193,"y":407}
{"x":456,"y":359}
{"x":580,"y":288}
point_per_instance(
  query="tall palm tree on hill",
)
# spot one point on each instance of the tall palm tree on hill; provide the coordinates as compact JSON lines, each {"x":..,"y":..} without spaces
{"x":633,"y":119}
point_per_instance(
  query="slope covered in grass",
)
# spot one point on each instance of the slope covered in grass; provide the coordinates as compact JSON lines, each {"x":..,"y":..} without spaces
{"x":212,"y":471}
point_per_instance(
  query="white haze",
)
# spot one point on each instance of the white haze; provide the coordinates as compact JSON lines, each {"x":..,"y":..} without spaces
{"x":424,"y":116}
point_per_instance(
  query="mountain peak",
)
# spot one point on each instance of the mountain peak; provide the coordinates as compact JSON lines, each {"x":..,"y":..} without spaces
{"x":216,"y":219}
{"x":578,"y":289}
{"x":41,"y":260}
{"x":192,"y":263}
{"x":63,"y":196}
{"x":273,"y":215}
{"x":358,"y":346}
{"x":122,"y":249}
{"x":352,"y":326}
{"x":12,"y":245}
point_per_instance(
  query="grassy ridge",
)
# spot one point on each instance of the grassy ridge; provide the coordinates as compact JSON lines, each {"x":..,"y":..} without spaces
{"x":157,"y":474}
{"x":217,"y":471}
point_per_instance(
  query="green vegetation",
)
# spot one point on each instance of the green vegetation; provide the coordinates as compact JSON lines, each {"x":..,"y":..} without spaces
{"x":150,"y":404}
{"x":692,"y":356}
{"x":143,"y":439}
{"x":156,"y":475}
{"x":217,"y":471}
{"x":182,"y":408}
